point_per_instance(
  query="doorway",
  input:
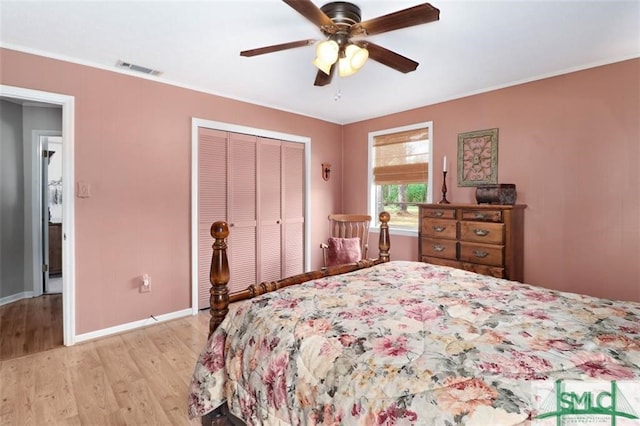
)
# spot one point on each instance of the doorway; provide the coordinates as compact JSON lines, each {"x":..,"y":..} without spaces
{"x":33,"y":199}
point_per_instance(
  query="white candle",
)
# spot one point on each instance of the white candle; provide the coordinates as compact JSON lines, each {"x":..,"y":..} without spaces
{"x":444,"y":166}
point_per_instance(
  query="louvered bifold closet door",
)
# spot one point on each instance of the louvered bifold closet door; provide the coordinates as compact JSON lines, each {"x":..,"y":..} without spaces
{"x":242,"y":211}
{"x":212,"y":200}
{"x":269,"y":190}
{"x":293,"y":196}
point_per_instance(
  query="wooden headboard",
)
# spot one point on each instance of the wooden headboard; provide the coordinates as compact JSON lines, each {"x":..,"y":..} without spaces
{"x":219,"y":274}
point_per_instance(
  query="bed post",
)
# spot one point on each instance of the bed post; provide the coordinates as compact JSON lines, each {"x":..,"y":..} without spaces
{"x":383,"y":242}
{"x":219,"y":276}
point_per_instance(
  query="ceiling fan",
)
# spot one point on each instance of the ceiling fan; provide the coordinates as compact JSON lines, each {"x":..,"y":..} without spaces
{"x":345,"y":46}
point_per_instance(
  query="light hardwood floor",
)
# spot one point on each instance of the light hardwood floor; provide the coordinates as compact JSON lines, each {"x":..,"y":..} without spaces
{"x":134,"y":378}
{"x":30,"y":325}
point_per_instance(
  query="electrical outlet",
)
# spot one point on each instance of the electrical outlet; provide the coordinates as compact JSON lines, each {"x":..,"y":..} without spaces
{"x":145,"y":284}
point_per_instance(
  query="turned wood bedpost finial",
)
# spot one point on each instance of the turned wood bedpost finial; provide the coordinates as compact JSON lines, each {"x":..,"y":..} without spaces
{"x":219,"y":275}
{"x":383,"y":243}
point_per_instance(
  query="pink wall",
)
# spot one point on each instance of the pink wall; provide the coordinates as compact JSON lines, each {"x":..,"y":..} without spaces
{"x":133,"y":146}
{"x":571,"y":144}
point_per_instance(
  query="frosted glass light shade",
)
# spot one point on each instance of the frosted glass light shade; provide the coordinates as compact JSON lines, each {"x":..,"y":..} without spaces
{"x":322,"y":66}
{"x":355,"y":57}
{"x":326,"y":55}
{"x":344,"y":68}
{"x":327,"y":51}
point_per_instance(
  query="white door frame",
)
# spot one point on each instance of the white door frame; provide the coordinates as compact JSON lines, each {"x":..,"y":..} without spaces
{"x":68,"y":223}
{"x":228,"y":127}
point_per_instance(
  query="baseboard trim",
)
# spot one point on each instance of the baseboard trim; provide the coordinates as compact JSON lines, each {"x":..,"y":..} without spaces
{"x":133,"y":325}
{"x":16,"y":297}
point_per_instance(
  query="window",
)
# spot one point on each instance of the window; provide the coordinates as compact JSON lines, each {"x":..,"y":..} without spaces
{"x":399,"y":174}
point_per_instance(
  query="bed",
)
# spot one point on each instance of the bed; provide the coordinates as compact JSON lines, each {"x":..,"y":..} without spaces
{"x":397,"y":342}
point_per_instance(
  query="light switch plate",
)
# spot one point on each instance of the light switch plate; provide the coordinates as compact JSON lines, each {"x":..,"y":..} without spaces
{"x":84,"y":190}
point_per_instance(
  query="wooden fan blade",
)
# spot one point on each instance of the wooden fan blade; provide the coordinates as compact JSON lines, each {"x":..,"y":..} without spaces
{"x":323,"y":79}
{"x":389,"y":58}
{"x":277,"y":47}
{"x":420,"y":14}
{"x":310,"y":11}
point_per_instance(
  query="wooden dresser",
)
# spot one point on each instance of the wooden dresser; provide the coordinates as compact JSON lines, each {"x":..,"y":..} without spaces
{"x":487,"y":239}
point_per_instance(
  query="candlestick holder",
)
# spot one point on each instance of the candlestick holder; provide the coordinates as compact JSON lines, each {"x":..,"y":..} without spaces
{"x":444,"y":189}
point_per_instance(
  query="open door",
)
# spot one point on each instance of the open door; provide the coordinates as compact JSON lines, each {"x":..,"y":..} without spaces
{"x":51,"y":212}
{"x":45,"y":159}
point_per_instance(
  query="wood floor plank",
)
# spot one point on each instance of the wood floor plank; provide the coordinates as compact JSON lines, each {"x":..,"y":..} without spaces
{"x":30,"y":325}
{"x":91,"y":387}
{"x":116,"y":360}
{"x":17,"y":392}
{"x":142,"y":407}
{"x":175,"y":351}
{"x":54,"y":398}
{"x":13,"y":329}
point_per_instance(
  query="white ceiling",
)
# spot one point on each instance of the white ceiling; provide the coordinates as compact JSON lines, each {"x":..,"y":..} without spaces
{"x":476,"y":46}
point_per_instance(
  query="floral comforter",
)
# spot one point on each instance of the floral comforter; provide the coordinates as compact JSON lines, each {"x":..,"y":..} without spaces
{"x":409,"y":343}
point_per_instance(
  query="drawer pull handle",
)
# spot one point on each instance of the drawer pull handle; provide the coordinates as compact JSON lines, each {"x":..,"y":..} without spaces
{"x":480,"y":253}
{"x":438,"y":228}
{"x":437,"y":248}
{"x":481,"y":232}
{"x":438,"y":214}
{"x":479,"y":215}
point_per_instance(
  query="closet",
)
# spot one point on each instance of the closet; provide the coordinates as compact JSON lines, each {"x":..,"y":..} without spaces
{"x":257,"y":186}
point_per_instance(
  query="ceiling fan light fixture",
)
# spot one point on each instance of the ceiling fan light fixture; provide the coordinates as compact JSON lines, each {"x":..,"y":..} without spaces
{"x":327,"y":51}
{"x":344,"y":68}
{"x":354,"y":58}
{"x":322,"y":66}
{"x":326,"y":55}
{"x":356,"y":55}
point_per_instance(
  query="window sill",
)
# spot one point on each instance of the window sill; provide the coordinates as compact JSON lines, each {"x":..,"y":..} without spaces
{"x":404,"y":232}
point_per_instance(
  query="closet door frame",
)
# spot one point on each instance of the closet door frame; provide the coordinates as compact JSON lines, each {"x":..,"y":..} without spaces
{"x":228,"y":127}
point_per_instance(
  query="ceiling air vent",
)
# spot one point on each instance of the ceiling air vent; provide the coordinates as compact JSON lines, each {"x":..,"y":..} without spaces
{"x":138,"y":68}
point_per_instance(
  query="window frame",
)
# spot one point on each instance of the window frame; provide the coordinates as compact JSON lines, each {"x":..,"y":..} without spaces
{"x":371,"y":193}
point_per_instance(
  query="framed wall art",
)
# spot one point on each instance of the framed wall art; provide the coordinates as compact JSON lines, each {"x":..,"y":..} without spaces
{"x":478,"y":157}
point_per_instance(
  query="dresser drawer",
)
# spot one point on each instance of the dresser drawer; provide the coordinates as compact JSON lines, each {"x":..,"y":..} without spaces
{"x":439,"y":228}
{"x":482,"y":232}
{"x":439,"y":213}
{"x":492,"y":271}
{"x":445,"y":249}
{"x":442,"y":262}
{"x":485,"y":254}
{"x":482,"y":215}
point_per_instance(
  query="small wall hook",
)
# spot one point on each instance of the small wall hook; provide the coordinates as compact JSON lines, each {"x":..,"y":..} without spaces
{"x":326,"y":171}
